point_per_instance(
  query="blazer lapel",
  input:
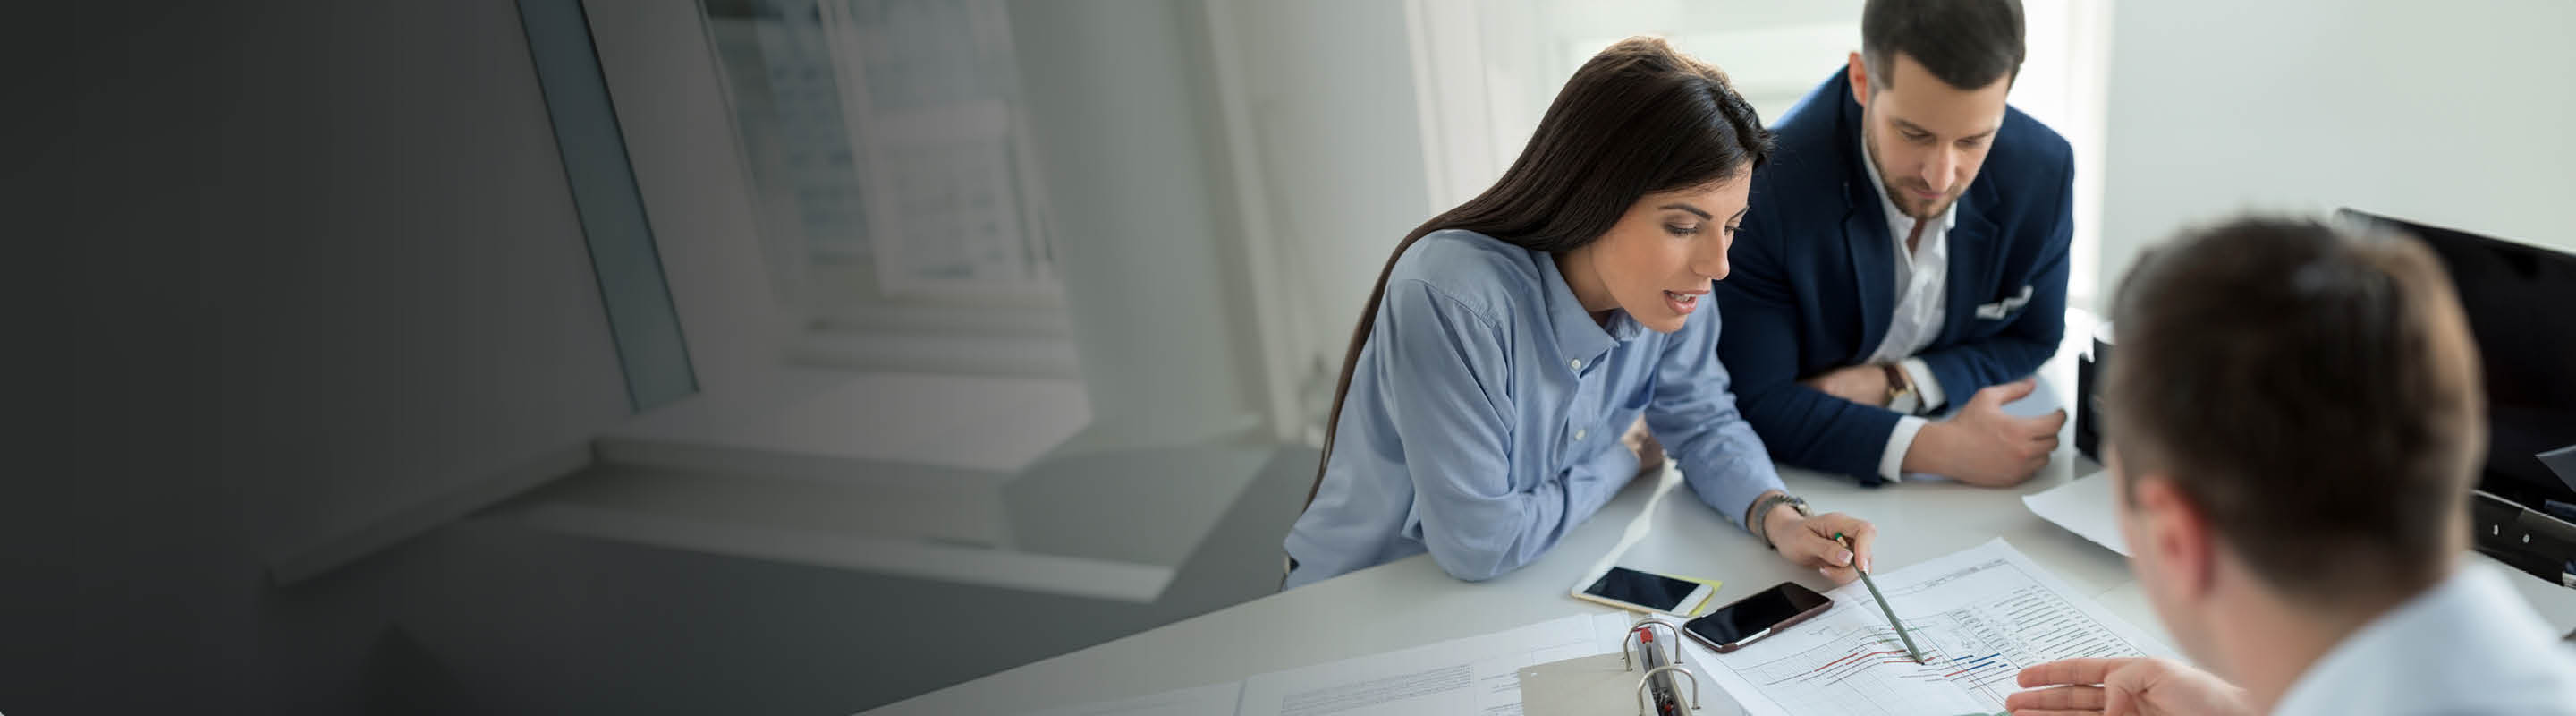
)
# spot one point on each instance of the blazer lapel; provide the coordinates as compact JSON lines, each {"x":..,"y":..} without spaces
{"x":1865,"y":239}
{"x":1975,"y":260}
{"x":1873,"y":265}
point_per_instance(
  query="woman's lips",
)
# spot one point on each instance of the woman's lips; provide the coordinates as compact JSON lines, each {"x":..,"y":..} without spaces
{"x":1683,"y":303}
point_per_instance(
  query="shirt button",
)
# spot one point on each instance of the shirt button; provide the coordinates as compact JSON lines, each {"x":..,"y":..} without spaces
{"x":1578,"y":433}
{"x":1577,"y":363}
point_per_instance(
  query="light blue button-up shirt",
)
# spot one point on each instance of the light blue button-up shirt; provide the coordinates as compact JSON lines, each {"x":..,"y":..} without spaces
{"x":1485,"y":410}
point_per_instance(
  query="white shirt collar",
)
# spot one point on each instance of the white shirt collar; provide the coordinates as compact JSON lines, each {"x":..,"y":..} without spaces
{"x":2468,"y":645}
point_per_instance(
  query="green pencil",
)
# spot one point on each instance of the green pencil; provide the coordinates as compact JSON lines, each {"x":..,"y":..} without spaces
{"x":1882,"y":604}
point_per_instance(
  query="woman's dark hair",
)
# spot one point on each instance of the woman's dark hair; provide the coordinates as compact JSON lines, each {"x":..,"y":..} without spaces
{"x":1638,"y":118}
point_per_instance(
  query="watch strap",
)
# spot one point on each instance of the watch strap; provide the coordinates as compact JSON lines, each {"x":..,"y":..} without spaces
{"x":1899,"y":385}
{"x":1762,"y":515}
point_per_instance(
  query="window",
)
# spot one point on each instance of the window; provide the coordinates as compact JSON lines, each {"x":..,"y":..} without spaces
{"x":900,"y":206}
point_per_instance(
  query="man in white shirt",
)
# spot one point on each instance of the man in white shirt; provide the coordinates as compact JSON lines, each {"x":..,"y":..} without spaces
{"x":2296,"y":419}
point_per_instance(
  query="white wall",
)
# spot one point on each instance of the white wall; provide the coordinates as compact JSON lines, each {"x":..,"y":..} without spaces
{"x":1336,"y":153}
{"x":1126,"y":152}
{"x":487,"y":364}
{"x":410,"y":305}
{"x":2451,"y":113}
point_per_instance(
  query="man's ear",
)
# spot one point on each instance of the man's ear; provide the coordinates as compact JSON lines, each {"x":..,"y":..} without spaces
{"x":1858,"y":73}
{"x":2181,"y":537}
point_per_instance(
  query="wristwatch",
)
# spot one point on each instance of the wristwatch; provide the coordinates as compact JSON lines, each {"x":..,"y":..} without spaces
{"x":1762,"y":514}
{"x":1898,"y":385}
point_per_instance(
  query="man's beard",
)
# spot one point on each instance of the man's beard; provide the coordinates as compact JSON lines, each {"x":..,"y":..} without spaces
{"x":1916,"y":208}
{"x":1904,"y":199}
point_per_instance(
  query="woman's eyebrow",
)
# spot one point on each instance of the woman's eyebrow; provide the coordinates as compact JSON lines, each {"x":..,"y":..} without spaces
{"x":1688,"y":208}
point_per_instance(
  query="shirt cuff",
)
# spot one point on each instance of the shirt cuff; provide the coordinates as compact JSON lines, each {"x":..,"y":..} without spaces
{"x":1891,"y":462}
{"x":1927,"y":387}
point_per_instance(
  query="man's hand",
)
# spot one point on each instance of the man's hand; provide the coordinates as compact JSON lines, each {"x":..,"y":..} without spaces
{"x":1982,"y":445}
{"x":1809,"y":541}
{"x":2123,"y":687}
{"x":1863,"y":384}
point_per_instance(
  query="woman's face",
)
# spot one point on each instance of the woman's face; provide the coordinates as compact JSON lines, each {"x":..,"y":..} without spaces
{"x":1659,"y":261}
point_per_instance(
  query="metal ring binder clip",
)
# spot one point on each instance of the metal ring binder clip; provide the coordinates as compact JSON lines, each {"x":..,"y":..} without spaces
{"x":1629,"y":662}
{"x":1645,"y":707}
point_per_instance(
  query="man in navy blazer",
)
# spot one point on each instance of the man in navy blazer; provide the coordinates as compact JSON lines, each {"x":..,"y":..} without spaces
{"x":1905,"y":255}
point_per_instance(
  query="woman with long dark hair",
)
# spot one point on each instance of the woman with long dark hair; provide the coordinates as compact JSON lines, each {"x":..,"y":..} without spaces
{"x":1511,"y":340}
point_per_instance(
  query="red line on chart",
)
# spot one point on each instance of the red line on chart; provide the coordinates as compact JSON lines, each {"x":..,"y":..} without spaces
{"x":1830,"y":664}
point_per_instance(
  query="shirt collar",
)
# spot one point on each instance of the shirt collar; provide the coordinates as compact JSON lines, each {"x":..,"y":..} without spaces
{"x":1949,"y":216}
{"x":1576,"y":333}
{"x":2491,"y":639}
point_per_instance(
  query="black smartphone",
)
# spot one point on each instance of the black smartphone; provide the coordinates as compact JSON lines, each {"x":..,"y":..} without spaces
{"x":1760,"y":615}
{"x":1646,"y":591}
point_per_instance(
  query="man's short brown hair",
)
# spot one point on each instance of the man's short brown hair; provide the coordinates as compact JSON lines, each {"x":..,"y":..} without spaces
{"x":2313,"y":391}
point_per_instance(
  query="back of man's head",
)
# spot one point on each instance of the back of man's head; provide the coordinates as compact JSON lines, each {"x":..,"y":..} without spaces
{"x":1967,"y":43}
{"x":2313,"y":392}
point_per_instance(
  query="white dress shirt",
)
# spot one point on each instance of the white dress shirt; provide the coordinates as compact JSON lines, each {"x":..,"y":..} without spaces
{"x":2470,"y":645}
{"x":1922,"y":295}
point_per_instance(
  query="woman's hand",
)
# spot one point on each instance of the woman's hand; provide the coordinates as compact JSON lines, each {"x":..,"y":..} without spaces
{"x":2122,"y":687}
{"x":1809,"y":541}
{"x":1650,"y":454}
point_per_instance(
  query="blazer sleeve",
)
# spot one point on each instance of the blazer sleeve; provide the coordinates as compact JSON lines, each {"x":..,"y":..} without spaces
{"x":1803,"y":427}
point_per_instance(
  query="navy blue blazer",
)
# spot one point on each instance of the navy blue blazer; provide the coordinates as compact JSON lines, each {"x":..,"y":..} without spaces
{"x":1813,"y":286}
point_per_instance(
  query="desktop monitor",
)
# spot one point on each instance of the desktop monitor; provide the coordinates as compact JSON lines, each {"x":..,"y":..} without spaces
{"x":2521,"y":304}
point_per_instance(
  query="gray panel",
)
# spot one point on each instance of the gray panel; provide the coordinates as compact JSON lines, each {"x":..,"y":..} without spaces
{"x":640,"y":314}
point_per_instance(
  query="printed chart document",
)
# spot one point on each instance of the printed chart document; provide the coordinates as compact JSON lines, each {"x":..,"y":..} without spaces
{"x":1980,"y":616}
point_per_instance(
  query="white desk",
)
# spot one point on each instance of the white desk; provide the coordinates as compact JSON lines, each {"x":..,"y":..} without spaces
{"x":1410,"y":602}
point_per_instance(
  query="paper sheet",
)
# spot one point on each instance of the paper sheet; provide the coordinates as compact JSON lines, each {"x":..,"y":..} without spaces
{"x":2084,"y":506}
{"x":1980,"y":616}
{"x":1475,"y":675}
